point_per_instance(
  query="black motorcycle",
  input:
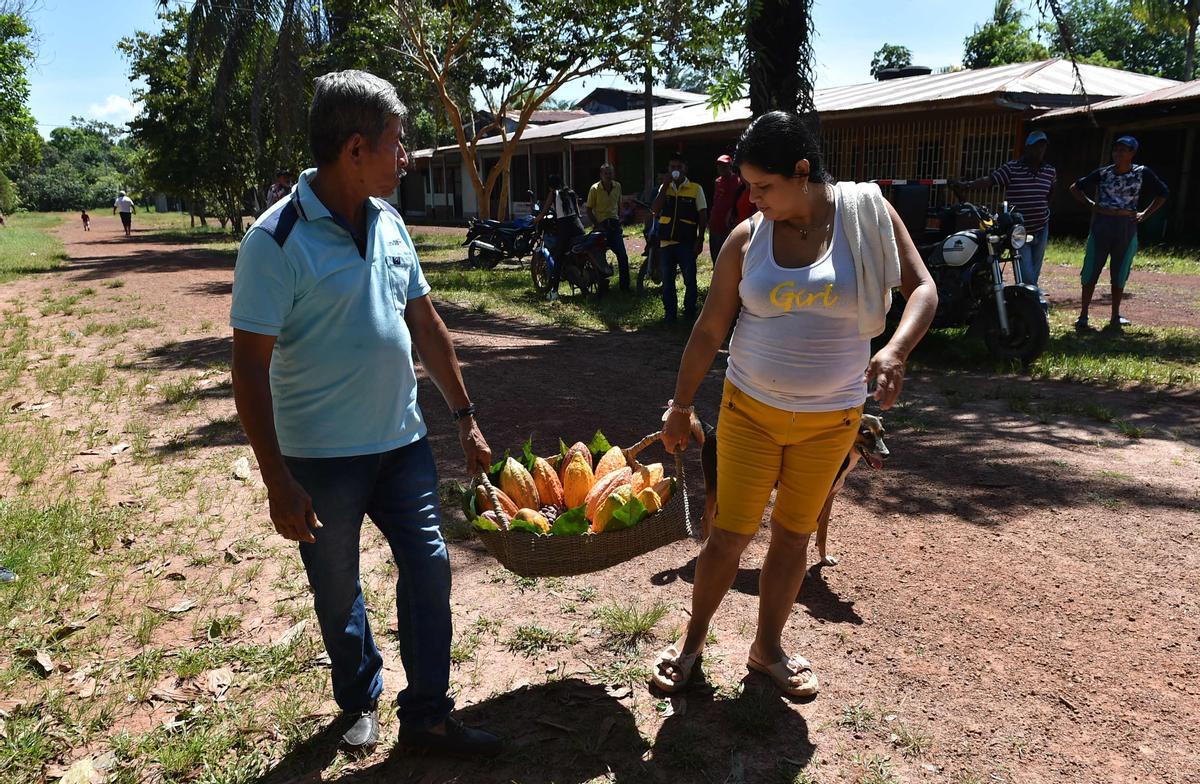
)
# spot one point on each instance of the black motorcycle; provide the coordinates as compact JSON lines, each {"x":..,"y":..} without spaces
{"x":967,"y":267}
{"x":491,"y":241}
{"x":585,"y":266}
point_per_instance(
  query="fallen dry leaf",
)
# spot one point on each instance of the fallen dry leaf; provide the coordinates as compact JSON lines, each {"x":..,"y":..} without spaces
{"x":288,"y":637}
{"x":117,"y":449}
{"x":83,"y":772}
{"x":182,"y":607}
{"x":43,"y":660}
{"x":241,"y":468}
{"x":219,"y":681}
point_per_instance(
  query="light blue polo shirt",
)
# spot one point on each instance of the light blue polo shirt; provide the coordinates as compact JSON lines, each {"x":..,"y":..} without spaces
{"x":342,"y":378}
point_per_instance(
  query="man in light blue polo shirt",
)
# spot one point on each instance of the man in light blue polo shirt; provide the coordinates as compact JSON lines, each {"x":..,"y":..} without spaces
{"x":328,"y":304}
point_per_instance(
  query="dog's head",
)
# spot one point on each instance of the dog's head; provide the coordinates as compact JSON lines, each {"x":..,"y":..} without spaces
{"x":869,"y":442}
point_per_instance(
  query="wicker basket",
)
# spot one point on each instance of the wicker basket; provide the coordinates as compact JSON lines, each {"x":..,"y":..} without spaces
{"x":530,"y":555}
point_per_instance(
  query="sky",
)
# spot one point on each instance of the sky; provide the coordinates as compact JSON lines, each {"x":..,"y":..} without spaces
{"x":80,"y":72}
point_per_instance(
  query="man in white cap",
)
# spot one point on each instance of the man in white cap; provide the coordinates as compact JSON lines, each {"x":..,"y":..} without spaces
{"x":1027,"y":182}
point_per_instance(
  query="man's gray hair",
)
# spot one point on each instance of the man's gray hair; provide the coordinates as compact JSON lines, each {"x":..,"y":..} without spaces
{"x":345,"y":103}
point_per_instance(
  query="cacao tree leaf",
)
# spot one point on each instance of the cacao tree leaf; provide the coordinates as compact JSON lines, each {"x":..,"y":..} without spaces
{"x":527,"y":450}
{"x":599,"y":444}
{"x":525,"y":525}
{"x":628,"y":515}
{"x":484,"y":524}
{"x":570,"y":523}
{"x":562,"y":448}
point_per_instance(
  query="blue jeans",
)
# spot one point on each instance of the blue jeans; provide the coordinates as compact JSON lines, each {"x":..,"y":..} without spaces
{"x":682,"y":255}
{"x":611,"y":229}
{"x":398,"y":490}
{"x":1031,"y":255}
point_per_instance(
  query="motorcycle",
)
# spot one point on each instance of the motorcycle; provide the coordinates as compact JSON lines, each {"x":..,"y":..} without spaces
{"x":967,"y":267}
{"x":585,"y":267}
{"x":650,"y":267}
{"x":491,"y":241}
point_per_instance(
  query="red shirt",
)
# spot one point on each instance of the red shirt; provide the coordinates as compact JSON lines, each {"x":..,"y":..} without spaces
{"x":722,"y":202}
{"x":744,"y":207}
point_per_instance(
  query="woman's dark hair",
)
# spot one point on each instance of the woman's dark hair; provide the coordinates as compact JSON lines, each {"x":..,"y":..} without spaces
{"x":775,"y":141}
{"x":555,"y":181}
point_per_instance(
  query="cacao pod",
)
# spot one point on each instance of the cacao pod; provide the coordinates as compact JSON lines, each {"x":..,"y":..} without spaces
{"x":650,"y":499}
{"x":535,"y":517}
{"x":549,"y":488}
{"x":611,"y":460}
{"x":647,"y":476}
{"x":483,"y":503}
{"x":603,"y":488}
{"x":665,"y":489}
{"x":518,"y":484}
{"x":577,"y":448}
{"x":615,"y":500}
{"x":577,"y":481}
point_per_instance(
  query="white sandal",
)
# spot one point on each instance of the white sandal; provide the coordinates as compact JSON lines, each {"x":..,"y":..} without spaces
{"x":683,"y":663}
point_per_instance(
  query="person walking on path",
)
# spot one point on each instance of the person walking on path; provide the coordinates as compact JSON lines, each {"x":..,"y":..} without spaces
{"x":725,"y":195}
{"x":1027,"y":183}
{"x":604,"y":207}
{"x":681,"y":209}
{"x":280,"y":188}
{"x":329,"y":302}
{"x":124,"y":205}
{"x":810,"y":280}
{"x":1119,"y":188}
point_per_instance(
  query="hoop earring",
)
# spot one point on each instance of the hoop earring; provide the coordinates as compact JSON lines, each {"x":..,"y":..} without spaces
{"x":806,"y":185}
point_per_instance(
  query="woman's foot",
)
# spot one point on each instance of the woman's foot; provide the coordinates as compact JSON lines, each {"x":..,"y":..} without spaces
{"x":793,"y":675}
{"x":673,"y":669}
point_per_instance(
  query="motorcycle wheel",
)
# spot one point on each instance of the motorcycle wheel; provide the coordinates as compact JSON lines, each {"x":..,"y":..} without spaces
{"x":1028,"y":330}
{"x":540,"y":271}
{"x":478,"y":257}
{"x":647,"y":271}
{"x":602,"y":287}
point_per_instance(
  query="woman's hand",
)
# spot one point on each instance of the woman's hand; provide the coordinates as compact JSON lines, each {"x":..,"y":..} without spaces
{"x":886,"y":369}
{"x":676,"y":431}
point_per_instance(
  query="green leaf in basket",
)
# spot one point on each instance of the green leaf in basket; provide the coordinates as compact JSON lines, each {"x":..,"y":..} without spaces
{"x":527,"y":451}
{"x":570,"y":523}
{"x":525,"y":525}
{"x":468,"y":503}
{"x":484,"y":524}
{"x":494,"y":473}
{"x":599,"y":444}
{"x":627,"y":516}
{"x":562,"y":448}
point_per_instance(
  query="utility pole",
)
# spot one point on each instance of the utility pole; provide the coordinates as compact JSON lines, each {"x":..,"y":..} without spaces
{"x":648,"y":136}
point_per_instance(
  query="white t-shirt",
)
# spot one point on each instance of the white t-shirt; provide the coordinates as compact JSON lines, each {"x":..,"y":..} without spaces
{"x":796,"y":345}
{"x":123,"y":204}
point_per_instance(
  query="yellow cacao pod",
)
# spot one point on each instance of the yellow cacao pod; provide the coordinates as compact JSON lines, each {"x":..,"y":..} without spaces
{"x":577,"y":481}
{"x":535,"y":517}
{"x":665,"y":489}
{"x":615,"y":500}
{"x":549,"y":488}
{"x":650,"y":499}
{"x":518,"y":484}
{"x":611,"y":460}
{"x":647,"y":476}
{"x":578,"y":448}
{"x":603,"y":488}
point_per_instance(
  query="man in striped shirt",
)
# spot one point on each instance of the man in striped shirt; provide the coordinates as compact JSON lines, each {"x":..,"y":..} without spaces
{"x":1027,"y":182}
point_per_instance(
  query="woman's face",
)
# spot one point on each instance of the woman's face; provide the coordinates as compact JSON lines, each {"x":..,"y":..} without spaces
{"x":777,"y":197}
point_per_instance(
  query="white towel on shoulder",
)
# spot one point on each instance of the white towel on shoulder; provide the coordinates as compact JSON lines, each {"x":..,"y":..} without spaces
{"x":868,"y":227}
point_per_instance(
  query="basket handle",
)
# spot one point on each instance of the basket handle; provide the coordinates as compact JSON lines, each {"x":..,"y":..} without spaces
{"x":490,"y":489}
{"x":631,"y":457}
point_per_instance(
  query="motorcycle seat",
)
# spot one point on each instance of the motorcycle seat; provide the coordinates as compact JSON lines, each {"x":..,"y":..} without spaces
{"x":589,"y":240}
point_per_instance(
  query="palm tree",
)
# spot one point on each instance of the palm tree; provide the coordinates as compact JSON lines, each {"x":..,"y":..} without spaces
{"x":1175,"y":15}
{"x":779,"y":43}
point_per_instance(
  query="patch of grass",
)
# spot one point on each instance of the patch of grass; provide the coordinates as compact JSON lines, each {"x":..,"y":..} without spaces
{"x":181,"y":391}
{"x":464,"y":647}
{"x":857,"y":717}
{"x":115,"y":283}
{"x":876,"y":769}
{"x":910,"y":740}
{"x":1130,"y":430}
{"x":628,"y":625}
{"x":630,"y":672}
{"x":531,"y":639}
{"x":29,"y":247}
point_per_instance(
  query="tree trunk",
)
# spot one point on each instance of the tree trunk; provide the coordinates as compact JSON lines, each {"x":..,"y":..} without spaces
{"x":779,"y":39}
{"x":1189,"y":61}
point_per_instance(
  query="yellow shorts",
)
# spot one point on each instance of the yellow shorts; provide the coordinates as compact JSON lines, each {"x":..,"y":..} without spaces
{"x":759,"y":445}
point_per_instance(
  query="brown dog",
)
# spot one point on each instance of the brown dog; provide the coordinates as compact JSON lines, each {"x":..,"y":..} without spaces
{"x":868,"y":446}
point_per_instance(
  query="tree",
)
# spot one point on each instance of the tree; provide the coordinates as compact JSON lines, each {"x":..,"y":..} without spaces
{"x":1110,"y":33}
{"x":19,"y":140}
{"x":1181,"y":16}
{"x":82,"y":166}
{"x":1002,"y":39}
{"x":890,"y":56}
{"x":517,"y":61}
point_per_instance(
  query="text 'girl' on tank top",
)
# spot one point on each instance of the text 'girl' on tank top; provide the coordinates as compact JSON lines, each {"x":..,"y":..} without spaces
{"x":796,"y":345}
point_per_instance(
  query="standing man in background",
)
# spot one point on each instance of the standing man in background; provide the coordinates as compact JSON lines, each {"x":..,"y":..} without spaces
{"x":124,"y":205}
{"x":681,"y":211}
{"x":603,"y":209}
{"x":725,"y":193}
{"x":280,"y":188}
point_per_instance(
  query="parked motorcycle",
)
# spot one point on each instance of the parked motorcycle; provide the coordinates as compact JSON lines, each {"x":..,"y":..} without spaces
{"x":491,"y":241}
{"x":650,"y":268}
{"x":585,"y":266}
{"x":967,"y":267}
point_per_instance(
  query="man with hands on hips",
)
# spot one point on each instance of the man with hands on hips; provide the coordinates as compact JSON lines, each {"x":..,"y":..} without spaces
{"x":329,"y":302}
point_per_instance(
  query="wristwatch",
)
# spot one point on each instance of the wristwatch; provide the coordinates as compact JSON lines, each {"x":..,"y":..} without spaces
{"x":463,"y":413}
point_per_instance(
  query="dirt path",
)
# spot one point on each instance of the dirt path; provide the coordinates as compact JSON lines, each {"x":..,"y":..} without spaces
{"x":1017,"y":599}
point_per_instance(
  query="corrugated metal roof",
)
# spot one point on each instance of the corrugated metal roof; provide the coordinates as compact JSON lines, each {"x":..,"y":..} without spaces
{"x":1050,"y":78}
{"x":1176,"y":92}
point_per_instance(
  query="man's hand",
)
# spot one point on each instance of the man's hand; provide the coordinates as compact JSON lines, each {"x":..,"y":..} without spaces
{"x":700,"y":246}
{"x":292,"y":511}
{"x":886,"y":369}
{"x":474,"y":446}
{"x":1141,"y":216}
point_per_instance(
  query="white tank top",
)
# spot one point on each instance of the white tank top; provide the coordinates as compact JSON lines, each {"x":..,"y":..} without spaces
{"x":796,"y":345}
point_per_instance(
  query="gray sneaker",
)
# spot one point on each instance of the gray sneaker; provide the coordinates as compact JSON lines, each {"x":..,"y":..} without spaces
{"x":8,"y":575}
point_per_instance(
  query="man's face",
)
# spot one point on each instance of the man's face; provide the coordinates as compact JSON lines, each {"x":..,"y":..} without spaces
{"x":1036,"y":152}
{"x":723,"y":169}
{"x":380,"y":168}
{"x":1122,"y":155}
{"x":606,"y":174}
{"x":677,"y":165}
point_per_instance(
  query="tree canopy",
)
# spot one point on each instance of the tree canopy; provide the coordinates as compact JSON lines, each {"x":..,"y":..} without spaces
{"x":19,"y":141}
{"x":1112,"y":33}
{"x":82,"y":166}
{"x":890,"y":56}
{"x":1002,"y":39}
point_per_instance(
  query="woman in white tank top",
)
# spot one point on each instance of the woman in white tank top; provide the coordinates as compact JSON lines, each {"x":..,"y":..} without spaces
{"x":809,"y":280}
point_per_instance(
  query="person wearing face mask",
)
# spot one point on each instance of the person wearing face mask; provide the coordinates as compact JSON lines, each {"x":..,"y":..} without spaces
{"x":682,"y":211}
